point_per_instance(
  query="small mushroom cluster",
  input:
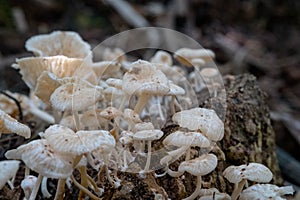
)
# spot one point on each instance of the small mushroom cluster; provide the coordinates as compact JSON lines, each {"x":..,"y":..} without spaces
{"x":107,"y":115}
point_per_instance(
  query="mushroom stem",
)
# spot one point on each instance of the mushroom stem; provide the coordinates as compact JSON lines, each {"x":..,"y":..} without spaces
{"x":142,"y":101}
{"x":60,"y":190}
{"x":36,"y":187}
{"x":86,"y":191}
{"x":76,"y":119}
{"x":110,"y":180}
{"x":174,"y":173}
{"x":124,"y":99}
{"x":27,"y":171}
{"x":197,"y":190}
{"x":44,"y":189}
{"x":10,"y":184}
{"x":237,"y":189}
{"x":42,"y":115}
{"x":148,"y":157}
{"x":172,"y":105}
{"x":188,"y":154}
{"x":84,"y":181}
{"x":93,"y":184}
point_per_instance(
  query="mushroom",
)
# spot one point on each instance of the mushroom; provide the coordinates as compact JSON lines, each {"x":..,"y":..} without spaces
{"x":115,"y":54}
{"x":162,"y":57}
{"x":144,"y":80}
{"x":265,"y":191}
{"x":205,"y":120}
{"x":186,"y":55}
{"x":11,"y":125}
{"x":149,"y":136}
{"x":169,"y":158}
{"x":8,"y":171}
{"x":103,"y":68}
{"x":32,"y":67}
{"x":75,"y":96}
{"x":126,"y":140}
{"x":28,"y":184}
{"x":199,"y":167}
{"x":240,"y":174}
{"x":39,"y":156}
{"x":66,"y":141}
{"x":65,"y":43}
{"x":186,"y":139}
{"x":131,"y":117}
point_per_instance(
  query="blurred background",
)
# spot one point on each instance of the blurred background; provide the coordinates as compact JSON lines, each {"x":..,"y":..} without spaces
{"x":261,"y":37}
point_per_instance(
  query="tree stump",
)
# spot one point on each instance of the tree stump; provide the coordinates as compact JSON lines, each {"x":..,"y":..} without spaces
{"x":249,"y":137}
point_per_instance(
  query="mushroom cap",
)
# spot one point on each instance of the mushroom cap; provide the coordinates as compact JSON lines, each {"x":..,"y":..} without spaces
{"x":180,"y":138}
{"x":209,"y":72}
{"x":131,"y":116}
{"x":143,"y":126}
{"x":65,"y":43}
{"x":200,"y":166}
{"x":115,"y":82}
{"x":11,"y":125}
{"x":253,"y":171}
{"x":265,"y":191}
{"x":205,"y":120}
{"x":65,"y":140}
{"x":39,"y":156}
{"x":105,"y":67}
{"x":32,"y":67}
{"x":175,"y":90}
{"x":110,"y":113}
{"x":8,"y":170}
{"x":28,"y":182}
{"x":148,"y":135}
{"x":186,"y":55}
{"x":75,"y":96}
{"x":115,"y":54}
{"x":162,"y":57}
{"x":144,"y":78}
{"x":46,"y":85}
{"x":90,"y":120}
{"x":68,"y":121}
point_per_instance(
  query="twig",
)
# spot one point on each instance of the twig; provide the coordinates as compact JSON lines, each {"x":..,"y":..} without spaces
{"x":128,"y":13}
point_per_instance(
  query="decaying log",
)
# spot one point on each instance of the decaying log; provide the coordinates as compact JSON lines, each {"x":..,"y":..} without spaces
{"x":249,"y":137}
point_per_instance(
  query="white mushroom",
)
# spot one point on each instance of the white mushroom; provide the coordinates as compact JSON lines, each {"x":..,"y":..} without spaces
{"x":205,"y":120}
{"x":115,"y":54}
{"x":8,"y":170}
{"x":240,"y":174}
{"x":144,"y":80}
{"x":32,"y":67}
{"x":11,"y":125}
{"x":162,"y":57}
{"x":28,"y":184}
{"x":199,"y":167}
{"x":65,"y":43}
{"x":265,"y":191}
{"x":186,"y":55}
{"x":186,"y":139}
{"x":149,"y":136}
{"x":40,"y":157}
{"x":75,"y":96}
